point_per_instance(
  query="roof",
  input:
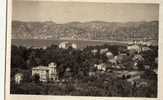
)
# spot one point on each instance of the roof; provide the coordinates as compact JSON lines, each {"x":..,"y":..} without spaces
{"x":18,"y":74}
{"x":52,"y":64}
{"x":40,"y":68}
{"x":109,"y":53}
{"x":133,"y":47}
{"x":67,"y":44}
{"x":68,"y":69}
{"x":146,"y":48}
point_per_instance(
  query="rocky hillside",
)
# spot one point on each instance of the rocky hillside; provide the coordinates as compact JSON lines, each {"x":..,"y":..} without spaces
{"x":94,"y":30}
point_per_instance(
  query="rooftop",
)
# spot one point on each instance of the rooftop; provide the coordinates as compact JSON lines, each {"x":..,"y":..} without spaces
{"x":40,"y":68}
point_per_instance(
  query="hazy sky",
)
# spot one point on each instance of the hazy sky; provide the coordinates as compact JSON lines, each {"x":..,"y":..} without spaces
{"x":62,"y":12}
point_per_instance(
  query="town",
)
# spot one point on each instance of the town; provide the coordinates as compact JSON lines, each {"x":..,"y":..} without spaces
{"x":102,"y":70}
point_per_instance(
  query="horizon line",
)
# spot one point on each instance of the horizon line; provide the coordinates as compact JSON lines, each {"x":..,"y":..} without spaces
{"x":50,"y":21}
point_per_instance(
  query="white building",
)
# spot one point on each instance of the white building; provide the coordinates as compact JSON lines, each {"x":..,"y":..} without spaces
{"x":63,"y":45}
{"x":109,"y":55}
{"x":66,"y":45}
{"x":145,"y":48}
{"x":46,"y":72}
{"x":73,"y":45}
{"x":135,"y":47}
{"x":102,"y":51}
{"x":18,"y":78}
{"x":101,"y":67}
{"x":94,"y":51}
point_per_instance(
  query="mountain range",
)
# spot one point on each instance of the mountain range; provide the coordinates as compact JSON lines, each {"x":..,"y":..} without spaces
{"x":93,"y":30}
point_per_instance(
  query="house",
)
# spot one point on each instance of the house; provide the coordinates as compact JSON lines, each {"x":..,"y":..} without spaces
{"x":134,"y":47}
{"x":18,"y":78}
{"x":63,"y":45}
{"x":101,"y":67}
{"x":94,"y":51}
{"x":133,"y":79}
{"x":66,"y":45}
{"x":102,"y":51}
{"x":113,"y":61}
{"x":109,"y":55}
{"x":92,"y":73}
{"x":46,"y":72}
{"x":130,"y":76}
{"x":145,"y":48}
{"x":74,"y":46}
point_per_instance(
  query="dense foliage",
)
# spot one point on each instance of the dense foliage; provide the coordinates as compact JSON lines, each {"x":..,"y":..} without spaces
{"x":80,"y":62}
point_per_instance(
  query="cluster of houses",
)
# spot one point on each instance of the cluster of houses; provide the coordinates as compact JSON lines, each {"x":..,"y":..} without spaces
{"x":49,"y":73}
{"x":45,"y":73}
{"x":124,"y":61}
{"x":117,"y":60}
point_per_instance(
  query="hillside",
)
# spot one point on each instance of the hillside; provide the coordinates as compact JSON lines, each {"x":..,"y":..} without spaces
{"x":94,"y":30}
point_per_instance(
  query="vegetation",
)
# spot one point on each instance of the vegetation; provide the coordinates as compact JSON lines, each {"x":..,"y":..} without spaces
{"x":80,"y":62}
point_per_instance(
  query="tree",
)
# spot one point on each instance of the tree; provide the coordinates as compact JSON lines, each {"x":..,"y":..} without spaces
{"x":36,"y":78}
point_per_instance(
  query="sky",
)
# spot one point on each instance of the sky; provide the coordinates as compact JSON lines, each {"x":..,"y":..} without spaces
{"x":63,"y":12}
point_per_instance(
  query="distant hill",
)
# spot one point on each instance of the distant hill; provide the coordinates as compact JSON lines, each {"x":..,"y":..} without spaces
{"x":94,"y":30}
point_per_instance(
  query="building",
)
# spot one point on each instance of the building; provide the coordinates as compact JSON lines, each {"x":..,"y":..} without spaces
{"x":63,"y":45}
{"x":74,"y":46}
{"x":94,"y":51}
{"x":92,"y":73}
{"x":66,"y":45}
{"x":145,"y":48}
{"x":18,"y":78}
{"x":104,"y":50}
{"x":112,"y":61}
{"x":139,"y":46}
{"x":109,"y":55}
{"x":134,"y":47}
{"x":101,"y":67}
{"x":46,"y":72}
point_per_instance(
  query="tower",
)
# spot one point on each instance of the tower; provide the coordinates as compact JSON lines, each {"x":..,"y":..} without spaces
{"x":52,"y":71}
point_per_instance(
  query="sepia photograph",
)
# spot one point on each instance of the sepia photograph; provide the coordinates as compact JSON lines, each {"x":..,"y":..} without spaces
{"x":84,"y":49}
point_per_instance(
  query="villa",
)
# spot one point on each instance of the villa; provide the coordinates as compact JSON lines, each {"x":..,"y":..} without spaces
{"x":46,"y":73}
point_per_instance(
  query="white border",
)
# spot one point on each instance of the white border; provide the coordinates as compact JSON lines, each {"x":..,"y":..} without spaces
{"x":2,"y":45}
{"x":47,"y":97}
